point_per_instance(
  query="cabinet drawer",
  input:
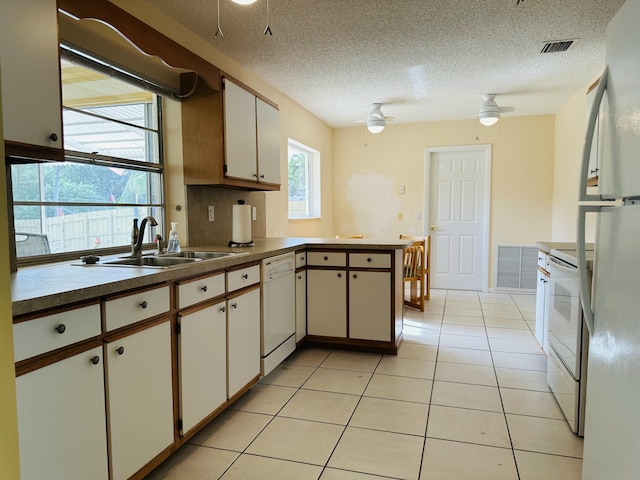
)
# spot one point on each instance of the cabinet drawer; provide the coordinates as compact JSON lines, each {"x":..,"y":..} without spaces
{"x":301,"y":259}
{"x":200,"y":289}
{"x":124,"y":311}
{"x":543,"y":257}
{"x":44,"y":334}
{"x":369,"y":260}
{"x":244,"y":277}
{"x":330,"y":259}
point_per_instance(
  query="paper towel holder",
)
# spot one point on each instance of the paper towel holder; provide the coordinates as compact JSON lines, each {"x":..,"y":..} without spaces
{"x":236,"y":244}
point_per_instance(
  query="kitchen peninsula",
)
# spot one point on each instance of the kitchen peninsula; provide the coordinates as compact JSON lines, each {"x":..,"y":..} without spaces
{"x":131,"y":362}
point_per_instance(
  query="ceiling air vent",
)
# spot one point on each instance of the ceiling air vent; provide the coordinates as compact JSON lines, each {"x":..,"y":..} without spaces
{"x":557,"y":46}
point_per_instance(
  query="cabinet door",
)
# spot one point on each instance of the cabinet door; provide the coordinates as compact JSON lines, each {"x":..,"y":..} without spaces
{"x":61,"y":420}
{"x":240,"y":132}
{"x":202,"y":359}
{"x":30,"y":72}
{"x":301,"y":305}
{"x":243,"y":327}
{"x":370,"y":305}
{"x":540,"y":307}
{"x":268,"y":134}
{"x":327,"y":303}
{"x":140,"y":398}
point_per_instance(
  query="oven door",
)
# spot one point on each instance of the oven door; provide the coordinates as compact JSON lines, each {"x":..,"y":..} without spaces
{"x":565,"y":314}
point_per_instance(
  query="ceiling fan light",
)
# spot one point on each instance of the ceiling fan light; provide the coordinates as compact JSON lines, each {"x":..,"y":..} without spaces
{"x":489,"y":112}
{"x":489,"y":120}
{"x":375,"y":125}
{"x":244,"y":2}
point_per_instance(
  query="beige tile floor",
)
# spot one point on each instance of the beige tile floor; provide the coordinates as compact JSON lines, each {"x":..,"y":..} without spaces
{"x":466,"y":398}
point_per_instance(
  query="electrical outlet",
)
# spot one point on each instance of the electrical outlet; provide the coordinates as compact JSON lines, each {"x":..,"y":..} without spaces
{"x":416,"y":215}
{"x":401,"y":189}
{"x":254,"y":213}
{"x":211,"y":213}
{"x":399,"y":215}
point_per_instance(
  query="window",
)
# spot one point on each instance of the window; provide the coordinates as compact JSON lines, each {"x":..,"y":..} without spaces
{"x":112,"y":171}
{"x":304,"y":181}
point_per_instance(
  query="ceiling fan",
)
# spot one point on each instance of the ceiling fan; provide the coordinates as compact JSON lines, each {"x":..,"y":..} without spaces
{"x":376,"y":120}
{"x":489,"y":112}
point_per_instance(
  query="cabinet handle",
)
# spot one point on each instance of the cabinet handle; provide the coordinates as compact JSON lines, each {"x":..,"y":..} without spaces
{"x":326,"y":258}
{"x":245,"y":276}
{"x":223,"y":309}
{"x":234,"y":305}
{"x":369,"y":259}
{"x":255,"y":175}
{"x":53,"y":137}
{"x":144,"y":304}
{"x":95,"y":360}
{"x":339,"y":275}
{"x":355,"y":276}
{"x":299,"y":277}
{"x":204,"y":288}
{"x":61,"y":328}
{"x":261,"y":176}
{"x":120,"y":350}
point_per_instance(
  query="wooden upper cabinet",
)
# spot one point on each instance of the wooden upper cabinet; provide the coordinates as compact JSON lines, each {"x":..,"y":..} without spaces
{"x":230,"y":138}
{"x":31,"y":97}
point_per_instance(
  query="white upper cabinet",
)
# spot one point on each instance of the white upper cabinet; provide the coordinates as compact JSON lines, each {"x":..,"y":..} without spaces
{"x":268,"y":134}
{"x":240,"y":132}
{"x":251,"y":136}
{"x":31,"y":76}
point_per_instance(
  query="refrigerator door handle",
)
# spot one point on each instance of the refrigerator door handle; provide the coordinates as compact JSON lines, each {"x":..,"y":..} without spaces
{"x":585,"y":292}
{"x":586,"y":151}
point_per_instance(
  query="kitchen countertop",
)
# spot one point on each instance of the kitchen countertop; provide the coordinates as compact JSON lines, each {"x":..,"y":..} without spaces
{"x":42,"y":287}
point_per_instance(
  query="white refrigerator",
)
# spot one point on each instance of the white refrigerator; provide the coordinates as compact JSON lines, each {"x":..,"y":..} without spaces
{"x":612,"y":306}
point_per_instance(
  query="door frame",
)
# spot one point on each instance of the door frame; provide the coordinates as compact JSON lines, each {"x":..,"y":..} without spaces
{"x":426,"y":220}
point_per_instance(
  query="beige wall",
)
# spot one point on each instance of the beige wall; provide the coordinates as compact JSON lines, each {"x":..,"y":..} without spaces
{"x":367,"y":177}
{"x":570,"y":128}
{"x":9,"y":465}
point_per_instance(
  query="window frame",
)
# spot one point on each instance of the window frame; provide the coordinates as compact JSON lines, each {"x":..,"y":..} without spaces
{"x":156,"y":167}
{"x":312,"y":180}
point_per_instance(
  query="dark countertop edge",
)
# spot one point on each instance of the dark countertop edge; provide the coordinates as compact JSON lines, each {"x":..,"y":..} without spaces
{"x":38,"y":288}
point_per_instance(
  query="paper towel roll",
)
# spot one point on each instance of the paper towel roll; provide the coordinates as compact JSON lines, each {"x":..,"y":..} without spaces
{"x":241,"y":228}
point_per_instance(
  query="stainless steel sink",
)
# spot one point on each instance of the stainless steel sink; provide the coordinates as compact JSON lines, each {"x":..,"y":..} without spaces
{"x":157,"y":262}
{"x":188,"y":254}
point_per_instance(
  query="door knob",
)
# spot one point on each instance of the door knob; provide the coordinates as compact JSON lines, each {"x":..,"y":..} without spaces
{"x":433,"y":227}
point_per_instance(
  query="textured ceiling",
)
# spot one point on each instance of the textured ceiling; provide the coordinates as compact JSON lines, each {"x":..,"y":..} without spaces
{"x":425,"y":60}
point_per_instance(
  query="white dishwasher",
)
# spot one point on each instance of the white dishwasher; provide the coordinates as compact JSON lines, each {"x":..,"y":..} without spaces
{"x":278,"y":310}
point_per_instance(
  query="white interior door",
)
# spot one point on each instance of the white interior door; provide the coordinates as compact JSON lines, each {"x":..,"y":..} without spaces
{"x":457,"y":191}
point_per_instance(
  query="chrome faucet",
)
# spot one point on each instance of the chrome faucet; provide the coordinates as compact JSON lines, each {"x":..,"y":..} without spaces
{"x":137,"y":239}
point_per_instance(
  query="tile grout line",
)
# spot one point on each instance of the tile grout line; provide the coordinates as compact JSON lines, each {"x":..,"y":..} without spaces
{"x":504,"y":413}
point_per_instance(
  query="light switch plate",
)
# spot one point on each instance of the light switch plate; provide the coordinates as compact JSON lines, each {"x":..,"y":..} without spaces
{"x":211,"y":213}
{"x":254,"y":213}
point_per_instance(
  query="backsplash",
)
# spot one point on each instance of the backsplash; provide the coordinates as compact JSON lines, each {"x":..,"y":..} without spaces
{"x":200,"y":231}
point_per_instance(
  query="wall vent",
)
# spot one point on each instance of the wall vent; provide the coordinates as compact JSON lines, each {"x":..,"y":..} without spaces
{"x":517,"y":267}
{"x":557,"y":46}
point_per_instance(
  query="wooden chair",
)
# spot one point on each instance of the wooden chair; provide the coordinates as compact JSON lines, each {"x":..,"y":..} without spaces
{"x":417,"y":266}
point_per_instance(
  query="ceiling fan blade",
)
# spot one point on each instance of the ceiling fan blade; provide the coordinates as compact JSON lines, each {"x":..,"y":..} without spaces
{"x":506,"y":109}
{"x":389,"y":119}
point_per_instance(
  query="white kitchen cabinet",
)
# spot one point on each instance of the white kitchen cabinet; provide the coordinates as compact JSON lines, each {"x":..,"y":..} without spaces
{"x":240,"y":132}
{"x":251,"y":136}
{"x":139,"y":379}
{"x":597,"y":143}
{"x":126,"y":310}
{"x":61,"y":420}
{"x":202,"y":359}
{"x":31,"y":99}
{"x":327,"y":302}
{"x":268,"y":139}
{"x":370,"y":305}
{"x":542,"y":301}
{"x":301,"y":305}
{"x":243,"y":340}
